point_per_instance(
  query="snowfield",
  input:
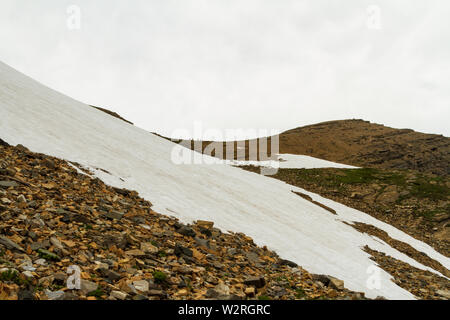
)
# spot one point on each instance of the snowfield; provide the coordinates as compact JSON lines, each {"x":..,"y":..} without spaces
{"x":293,"y":161}
{"x":264,"y":208}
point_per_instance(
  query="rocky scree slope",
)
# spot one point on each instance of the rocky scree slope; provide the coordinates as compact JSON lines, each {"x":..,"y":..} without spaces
{"x":53,"y":215}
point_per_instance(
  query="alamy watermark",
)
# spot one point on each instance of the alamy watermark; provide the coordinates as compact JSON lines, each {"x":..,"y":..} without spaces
{"x":73,"y":21}
{"x":228,"y":147}
{"x":74,"y":280}
{"x":374,"y":21}
{"x":373,"y":281}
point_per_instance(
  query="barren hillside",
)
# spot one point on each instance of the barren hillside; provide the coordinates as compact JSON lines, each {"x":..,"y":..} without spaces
{"x":364,"y":144}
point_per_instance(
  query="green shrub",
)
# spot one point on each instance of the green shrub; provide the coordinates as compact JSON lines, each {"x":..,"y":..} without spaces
{"x":159,"y":276}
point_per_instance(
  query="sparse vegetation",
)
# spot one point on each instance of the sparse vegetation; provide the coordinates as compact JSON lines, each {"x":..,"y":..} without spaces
{"x":13,"y":276}
{"x":96,"y":293}
{"x":159,"y":276}
{"x":300,"y":293}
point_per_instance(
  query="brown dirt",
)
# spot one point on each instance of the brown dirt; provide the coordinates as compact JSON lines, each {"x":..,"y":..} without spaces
{"x":112,"y":113}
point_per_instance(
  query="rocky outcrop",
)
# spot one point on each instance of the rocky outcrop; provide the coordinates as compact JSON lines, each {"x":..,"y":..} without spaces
{"x":112,"y":113}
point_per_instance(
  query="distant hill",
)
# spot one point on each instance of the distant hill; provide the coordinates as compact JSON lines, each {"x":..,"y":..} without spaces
{"x":365,"y":144}
{"x":362,"y":143}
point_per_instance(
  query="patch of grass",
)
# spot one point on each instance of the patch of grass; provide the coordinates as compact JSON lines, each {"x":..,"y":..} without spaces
{"x":358,"y":176}
{"x":429,"y":214}
{"x":39,"y":288}
{"x":188,"y":283}
{"x":154,"y":243}
{"x":370,"y":175}
{"x":300,"y":293}
{"x":9,"y":275}
{"x":57,"y":287}
{"x":162,"y":254}
{"x":338,"y":178}
{"x":13,"y":276}
{"x":96,"y":293}
{"x":49,"y":256}
{"x":159,"y":276}
{"x":424,"y":189}
{"x":263,"y":298}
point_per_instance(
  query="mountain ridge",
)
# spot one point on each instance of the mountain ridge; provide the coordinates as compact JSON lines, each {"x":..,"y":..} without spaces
{"x":358,"y":143}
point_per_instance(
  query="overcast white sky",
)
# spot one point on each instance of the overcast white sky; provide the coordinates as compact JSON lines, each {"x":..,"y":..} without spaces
{"x":165,"y":64}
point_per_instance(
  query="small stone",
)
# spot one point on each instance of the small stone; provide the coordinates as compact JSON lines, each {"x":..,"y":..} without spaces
{"x":148,"y":248}
{"x":141,"y":285}
{"x":60,"y":278}
{"x":186,"y":231}
{"x":444,"y":293}
{"x":288,"y":263}
{"x":88,"y":286}
{"x":182,"y":292}
{"x":33,"y":204}
{"x":8,"y":184}
{"x":250,"y":291}
{"x":28,"y":274}
{"x":10,"y":244}
{"x":218,"y":291}
{"x":55,"y":241}
{"x":202,"y":242}
{"x":110,"y":274}
{"x":49,"y":186}
{"x":336,"y":283}
{"x":5,"y":201}
{"x":154,"y":292}
{"x":26,"y":295}
{"x":41,"y":262}
{"x":114,"y":215}
{"x":135,"y":253}
{"x":325,"y":280}
{"x":27,"y":267}
{"x":205,"y":224}
{"x":21,"y":199}
{"x":356,"y":195}
{"x":179,"y":250}
{"x":49,"y":163}
{"x":39,"y":245}
{"x":101,"y":265}
{"x":56,"y":295}
{"x":258,"y":282}
{"x":252,"y":257}
{"x":119,"y":295}
{"x":3,"y":143}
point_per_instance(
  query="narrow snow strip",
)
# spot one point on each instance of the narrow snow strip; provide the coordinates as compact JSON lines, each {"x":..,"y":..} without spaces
{"x":78,"y":169}
{"x":293,"y":161}
{"x":261,"y":207}
{"x":351,"y":215}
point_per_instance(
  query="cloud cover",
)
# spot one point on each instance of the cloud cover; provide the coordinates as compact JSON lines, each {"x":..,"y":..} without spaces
{"x":164,"y":64}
